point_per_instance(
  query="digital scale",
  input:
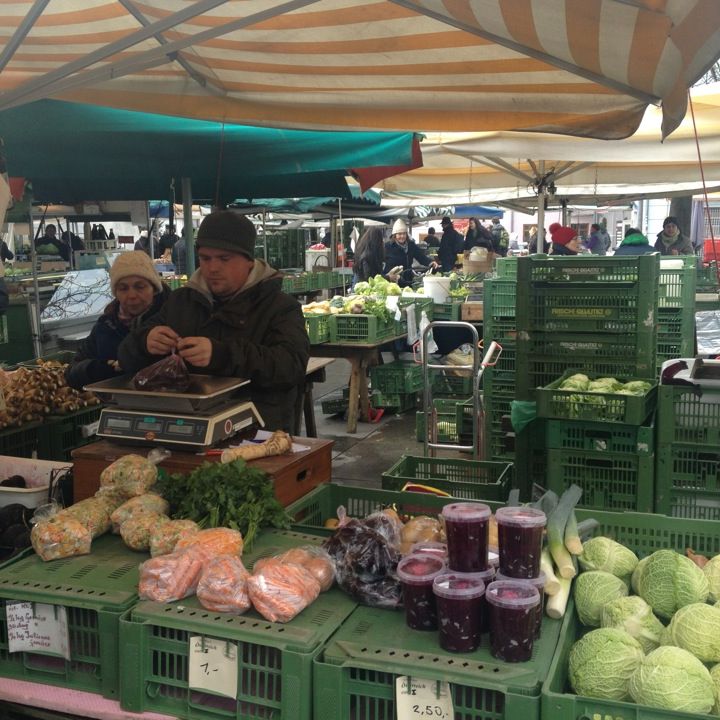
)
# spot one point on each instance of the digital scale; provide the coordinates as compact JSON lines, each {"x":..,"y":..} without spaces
{"x":691,"y":371}
{"x":212,"y":409}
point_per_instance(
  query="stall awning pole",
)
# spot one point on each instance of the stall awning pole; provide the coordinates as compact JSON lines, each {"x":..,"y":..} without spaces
{"x":188,"y":234}
{"x":35,"y":307}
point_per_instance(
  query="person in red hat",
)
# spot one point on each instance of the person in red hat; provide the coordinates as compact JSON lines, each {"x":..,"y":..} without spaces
{"x":565,"y":240}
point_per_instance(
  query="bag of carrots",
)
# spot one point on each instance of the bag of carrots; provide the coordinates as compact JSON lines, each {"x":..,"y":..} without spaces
{"x":223,"y":585}
{"x":164,"y":537}
{"x":280,"y":590}
{"x":313,"y":558}
{"x":213,"y":542}
{"x":170,"y":577}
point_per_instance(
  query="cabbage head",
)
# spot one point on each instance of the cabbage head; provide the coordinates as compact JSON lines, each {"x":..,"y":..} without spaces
{"x":393,"y":289}
{"x":637,"y":387}
{"x":592,"y":591}
{"x":712,"y":573}
{"x":715,"y":675}
{"x":362,"y":288}
{"x":637,"y":573}
{"x":673,"y":679}
{"x":696,"y":628}
{"x":604,"y":385}
{"x":602,"y":553}
{"x":577,"y":382}
{"x":670,"y":581}
{"x":633,"y":615}
{"x":601,"y":663}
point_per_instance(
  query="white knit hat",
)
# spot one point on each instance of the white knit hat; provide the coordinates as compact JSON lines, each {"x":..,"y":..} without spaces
{"x":134,"y":262}
{"x":399,"y":226}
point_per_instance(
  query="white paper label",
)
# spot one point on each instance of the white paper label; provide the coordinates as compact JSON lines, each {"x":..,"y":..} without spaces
{"x":417,"y":698}
{"x":213,"y":666}
{"x":37,"y":627}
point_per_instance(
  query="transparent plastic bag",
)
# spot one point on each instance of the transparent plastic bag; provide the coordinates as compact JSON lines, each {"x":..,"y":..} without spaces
{"x":138,"y":505}
{"x":132,"y":474}
{"x":171,"y":577}
{"x":60,"y":537}
{"x":223,"y":585}
{"x":136,"y":530}
{"x":167,"y":375}
{"x":165,"y":537}
{"x":313,"y":558}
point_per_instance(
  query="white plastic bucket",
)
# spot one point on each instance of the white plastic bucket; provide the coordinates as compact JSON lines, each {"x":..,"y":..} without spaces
{"x":438,"y":288}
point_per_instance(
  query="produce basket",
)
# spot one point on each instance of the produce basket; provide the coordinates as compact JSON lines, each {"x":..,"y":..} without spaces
{"x":420,"y":302}
{"x":447,"y":311}
{"x":553,"y":402}
{"x":95,"y":590}
{"x":470,"y":479}
{"x":397,"y":377}
{"x":451,"y":421}
{"x":599,"y":437}
{"x":61,"y":434}
{"x":452,"y":382}
{"x":590,"y":271}
{"x":360,"y":329}
{"x":274,"y":660}
{"x":400,"y":402}
{"x":499,"y":299}
{"x":20,"y":441}
{"x":643,"y":534}
{"x":317,"y":328}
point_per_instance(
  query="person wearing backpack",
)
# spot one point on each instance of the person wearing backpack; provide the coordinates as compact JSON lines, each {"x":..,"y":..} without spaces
{"x":501,"y":238}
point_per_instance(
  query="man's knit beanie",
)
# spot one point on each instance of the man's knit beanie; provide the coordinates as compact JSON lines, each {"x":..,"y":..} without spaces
{"x":227,"y":230}
{"x":134,"y":262}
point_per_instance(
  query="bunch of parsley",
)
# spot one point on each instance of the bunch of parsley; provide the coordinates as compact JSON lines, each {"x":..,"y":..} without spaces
{"x":233,"y":495}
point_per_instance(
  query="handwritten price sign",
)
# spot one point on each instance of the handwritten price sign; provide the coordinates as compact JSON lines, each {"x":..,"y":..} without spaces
{"x":416,"y":698}
{"x":213,"y":666}
{"x":37,"y":627}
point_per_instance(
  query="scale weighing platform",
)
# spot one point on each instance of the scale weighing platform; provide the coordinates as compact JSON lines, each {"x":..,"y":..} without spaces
{"x":208,"y":412}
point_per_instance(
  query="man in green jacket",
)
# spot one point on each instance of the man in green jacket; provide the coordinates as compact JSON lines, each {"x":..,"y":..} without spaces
{"x":232,"y":320}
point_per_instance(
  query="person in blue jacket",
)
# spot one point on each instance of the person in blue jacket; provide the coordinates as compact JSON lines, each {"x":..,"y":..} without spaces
{"x":138,"y":294}
{"x":401,"y":252}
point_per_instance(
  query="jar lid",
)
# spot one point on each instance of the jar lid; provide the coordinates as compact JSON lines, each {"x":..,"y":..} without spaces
{"x":512,"y":594}
{"x":538,"y":582}
{"x":419,"y":568}
{"x":466,"y":512}
{"x":432,"y":547}
{"x":465,"y":586}
{"x":520,"y":516}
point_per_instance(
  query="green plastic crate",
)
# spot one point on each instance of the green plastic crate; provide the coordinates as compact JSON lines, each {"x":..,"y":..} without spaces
{"x":501,"y":330}
{"x":421,"y":304}
{"x":643,"y":534}
{"x":543,"y":357}
{"x":707,"y":278}
{"x":448,"y":383}
{"x":397,"y":377}
{"x":498,"y":384}
{"x":687,"y":418}
{"x":274,"y":659}
{"x":552,"y":402}
{"x":61,"y":356}
{"x":95,"y":589}
{"x":451,"y":423}
{"x":470,"y":479}
{"x":599,"y":437}
{"x":21,"y":441}
{"x":687,"y":481}
{"x":506,"y":267}
{"x":334,"y":405}
{"x":589,"y":271}
{"x":499,"y":299}
{"x":447,"y":311}
{"x":355,"y":675}
{"x":400,"y":402}
{"x":297,"y":283}
{"x":360,"y":329}
{"x":317,"y":328}
{"x":609,"y":480}
{"x":61,"y":434}
{"x":676,"y":286}
{"x":707,"y":301}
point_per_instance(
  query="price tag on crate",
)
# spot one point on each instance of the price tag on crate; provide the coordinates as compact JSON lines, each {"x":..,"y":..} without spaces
{"x":417,"y":698}
{"x":38,"y":628}
{"x":213,"y":666}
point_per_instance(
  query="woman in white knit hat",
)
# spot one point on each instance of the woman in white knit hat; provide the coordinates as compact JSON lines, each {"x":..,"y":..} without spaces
{"x":138,"y":294}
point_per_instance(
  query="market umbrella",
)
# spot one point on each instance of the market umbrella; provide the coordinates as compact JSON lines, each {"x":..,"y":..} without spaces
{"x":74,"y":152}
{"x":584,"y":68}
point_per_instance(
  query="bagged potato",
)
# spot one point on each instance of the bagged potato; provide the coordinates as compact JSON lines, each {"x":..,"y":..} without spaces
{"x":136,"y":530}
{"x":148,"y":502}
{"x":165,"y":537}
{"x":223,"y":585}
{"x":60,"y":537}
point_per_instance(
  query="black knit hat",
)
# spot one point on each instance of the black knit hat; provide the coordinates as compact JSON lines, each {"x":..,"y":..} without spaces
{"x":226,"y":230}
{"x":671,"y":219}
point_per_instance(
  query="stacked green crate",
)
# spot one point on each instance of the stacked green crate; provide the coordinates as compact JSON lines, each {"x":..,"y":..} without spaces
{"x":676,"y":309}
{"x":396,"y":385}
{"x":285,"y":248}
{"x":451,"y":421}
{"x":687,"y":481}
{"x":499,"y":381}
{"x":595,"y":315}
{"x":707,"y":278}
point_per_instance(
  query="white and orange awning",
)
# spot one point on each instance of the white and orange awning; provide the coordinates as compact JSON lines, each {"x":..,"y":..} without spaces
{"x":578,"y":67}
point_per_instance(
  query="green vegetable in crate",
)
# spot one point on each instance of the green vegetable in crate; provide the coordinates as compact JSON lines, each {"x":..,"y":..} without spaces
{"x":337,"y":301}
{"x":696,"y":628}
{"x":601,"y":663}
{"x":592,"y":591}
{"x":669,"y":581}
{"x":633,"y":615}
{"x":636,"y":387}
{"x":577,"y":382}
{"x":602,"y":553}
{"x":712,"y":573}
{"x":362,"y":287}
{"x":637,"y":574}
{"x":673,"y":679}
{"x":604,"y":385}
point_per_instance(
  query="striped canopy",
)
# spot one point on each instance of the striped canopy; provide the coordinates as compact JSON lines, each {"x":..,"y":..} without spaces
{"x":578,"y":67}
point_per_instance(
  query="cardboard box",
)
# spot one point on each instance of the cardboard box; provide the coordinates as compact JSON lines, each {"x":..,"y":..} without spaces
{"x":479,"y":266}
{"x":472,"y":311}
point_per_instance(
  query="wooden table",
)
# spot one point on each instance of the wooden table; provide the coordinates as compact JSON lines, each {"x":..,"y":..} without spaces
{"x":361,"y":357}
{"x":293,"y":474}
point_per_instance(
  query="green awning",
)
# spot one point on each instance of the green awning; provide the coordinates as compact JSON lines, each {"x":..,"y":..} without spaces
{"x":74,"y":152}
